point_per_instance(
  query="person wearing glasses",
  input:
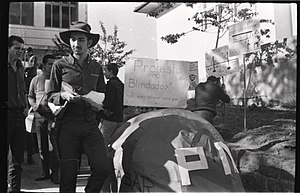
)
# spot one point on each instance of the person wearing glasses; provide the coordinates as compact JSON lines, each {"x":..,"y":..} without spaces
{"x":36,"y":99}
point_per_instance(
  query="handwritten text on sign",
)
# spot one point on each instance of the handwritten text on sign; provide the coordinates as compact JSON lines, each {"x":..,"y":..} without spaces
{"x":156,"y":83}
{"x":244,"y":37}
{"x":218,"y":63}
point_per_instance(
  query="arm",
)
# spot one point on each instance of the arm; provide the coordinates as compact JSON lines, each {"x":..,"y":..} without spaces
{"x":101,"y":83}
{"x":110,"y":96}
{"x":53,"y":94}
{"x":32,"y":94}
{"x":223,"y":96}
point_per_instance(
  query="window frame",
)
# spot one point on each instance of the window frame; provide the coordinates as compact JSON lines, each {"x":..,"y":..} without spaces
{"x":69,"y":5}
{"x":19,"y":17}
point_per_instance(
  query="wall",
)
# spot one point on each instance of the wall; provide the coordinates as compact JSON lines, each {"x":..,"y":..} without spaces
{"x":137,"y":30}
{"x":38,"y":36}
{"x":194,"y":45}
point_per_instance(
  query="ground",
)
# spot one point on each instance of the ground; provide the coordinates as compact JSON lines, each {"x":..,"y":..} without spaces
{"x":230,"y":119}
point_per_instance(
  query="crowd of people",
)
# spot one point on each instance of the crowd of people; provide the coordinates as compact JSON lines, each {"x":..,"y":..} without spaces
{"x":80,"y":126}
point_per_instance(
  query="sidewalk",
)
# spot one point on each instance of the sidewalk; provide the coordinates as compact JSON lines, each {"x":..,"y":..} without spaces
{"x":30,"y":172}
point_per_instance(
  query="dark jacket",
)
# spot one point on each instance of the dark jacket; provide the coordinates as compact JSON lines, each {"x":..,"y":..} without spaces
{"x":82,"y":79}
{"x":113,"y":101}
{"x":208,"y":95}
{"x":16,"y":89}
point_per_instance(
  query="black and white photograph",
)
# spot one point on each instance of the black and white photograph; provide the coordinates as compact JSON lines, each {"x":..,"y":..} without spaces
{"x":150,"y":96}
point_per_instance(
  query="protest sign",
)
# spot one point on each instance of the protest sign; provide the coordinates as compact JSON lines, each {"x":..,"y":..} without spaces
{"x":244,"y":37}
{"x":218,"y":63}
{"x":156,"y":83}
{"x":193,"y":75}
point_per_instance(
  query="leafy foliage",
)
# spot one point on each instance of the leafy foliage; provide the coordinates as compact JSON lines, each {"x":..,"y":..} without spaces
{"x":164,"y":6}
{"x":266,"y":56}
{"x":219,"y":18}
{"x":62,"y":48}
{"x":110,"y":48}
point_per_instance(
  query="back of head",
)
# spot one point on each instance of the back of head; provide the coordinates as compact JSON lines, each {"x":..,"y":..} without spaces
{"x":113,"y":67}
{"x":46,"y":57}
{"x":213,"y":79}
{"x":29,"y":50}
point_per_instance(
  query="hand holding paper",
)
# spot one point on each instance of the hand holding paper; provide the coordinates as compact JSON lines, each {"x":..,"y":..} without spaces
{"x":94,"y":98}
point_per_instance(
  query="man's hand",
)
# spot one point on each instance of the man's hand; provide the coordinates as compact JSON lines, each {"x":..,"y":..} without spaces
{"x":25,"y":112}
{"x":70,"y":96}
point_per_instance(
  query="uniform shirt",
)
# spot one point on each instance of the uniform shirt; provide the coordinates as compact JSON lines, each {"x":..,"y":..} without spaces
{"x":83,"y":80}
{"x":113,"y":101}
{"x":16,"y":87}
{"x":207,"y":96}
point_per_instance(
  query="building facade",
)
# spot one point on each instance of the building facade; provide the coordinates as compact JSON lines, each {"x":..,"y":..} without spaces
{"x":273,"y":83}
{"x":38,"y":22}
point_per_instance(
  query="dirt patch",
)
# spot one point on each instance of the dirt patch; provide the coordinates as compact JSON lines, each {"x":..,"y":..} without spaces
{"x":230,"y":119}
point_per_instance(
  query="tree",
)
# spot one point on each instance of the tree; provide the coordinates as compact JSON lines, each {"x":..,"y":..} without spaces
{"x":221,"y":17}
{"x":62,"y":48}
{"x":110,"y":49}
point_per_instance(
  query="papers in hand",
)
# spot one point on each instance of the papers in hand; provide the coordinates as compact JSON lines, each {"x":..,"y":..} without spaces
{"x":94,"y":98}
{"x":56,"y":109}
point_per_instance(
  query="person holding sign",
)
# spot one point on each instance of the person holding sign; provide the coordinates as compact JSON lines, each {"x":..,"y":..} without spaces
{"x":77,"y":127}
{"x":112,"y":115}
{"x":207,"y":95}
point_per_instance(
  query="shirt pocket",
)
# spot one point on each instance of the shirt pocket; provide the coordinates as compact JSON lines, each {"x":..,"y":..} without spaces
{"x":93,"y":79}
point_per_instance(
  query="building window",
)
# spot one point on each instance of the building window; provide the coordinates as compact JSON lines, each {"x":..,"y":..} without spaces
{"x":60,"y":14}
{"x":21,"y":13}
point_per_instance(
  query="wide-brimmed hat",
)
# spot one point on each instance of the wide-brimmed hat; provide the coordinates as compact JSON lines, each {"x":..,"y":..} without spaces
{"x":79,"y":26}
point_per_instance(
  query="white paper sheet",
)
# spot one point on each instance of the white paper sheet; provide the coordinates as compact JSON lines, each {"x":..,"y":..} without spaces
{"x":94,"y":98}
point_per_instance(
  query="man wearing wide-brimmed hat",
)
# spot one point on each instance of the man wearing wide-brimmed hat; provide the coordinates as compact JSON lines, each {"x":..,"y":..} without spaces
{"x":78,"y":128}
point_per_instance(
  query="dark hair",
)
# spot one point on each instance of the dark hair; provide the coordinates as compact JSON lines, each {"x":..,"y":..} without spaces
{"x":13,"y":38}
{"x":113,"y":67}
{"x":48,"y":56}
{"x":213,"y":78}
{"x":29,"y":49}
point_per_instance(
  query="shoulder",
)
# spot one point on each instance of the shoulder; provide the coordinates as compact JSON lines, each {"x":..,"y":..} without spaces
{"x":58,"y":64}
{"x":95,"y":64}
{"x":35,"y":79}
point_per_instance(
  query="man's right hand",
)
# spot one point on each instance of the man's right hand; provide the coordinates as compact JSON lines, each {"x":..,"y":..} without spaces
{"x":71,"y":97}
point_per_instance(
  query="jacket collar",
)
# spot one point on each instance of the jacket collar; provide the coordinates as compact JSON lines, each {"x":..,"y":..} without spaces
{"x":18,"y":64}
{"x":70,"y":58}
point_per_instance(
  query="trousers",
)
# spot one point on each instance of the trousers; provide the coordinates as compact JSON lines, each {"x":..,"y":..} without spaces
{"x":76,"y":134}
{"x":16,"y":144}
{"x":48,"y":158}
{"x":108,"y":128}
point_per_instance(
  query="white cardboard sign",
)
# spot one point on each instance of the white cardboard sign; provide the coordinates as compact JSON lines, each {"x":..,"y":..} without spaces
{"x":218,"y":63}
{"x":156,"y":83}
{"x":244,"y":37}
